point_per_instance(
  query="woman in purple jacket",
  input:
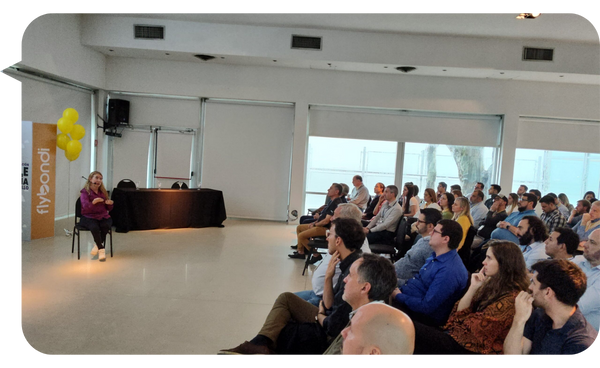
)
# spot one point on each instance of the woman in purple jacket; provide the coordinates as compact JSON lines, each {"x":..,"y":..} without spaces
{"x":95,"y":205}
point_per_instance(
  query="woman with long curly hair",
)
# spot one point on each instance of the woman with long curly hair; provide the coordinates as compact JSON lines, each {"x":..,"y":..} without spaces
{"x":481,"y":320}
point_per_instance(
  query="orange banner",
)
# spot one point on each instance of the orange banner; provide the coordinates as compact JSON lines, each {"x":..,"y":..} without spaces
{"x":43,"y":180}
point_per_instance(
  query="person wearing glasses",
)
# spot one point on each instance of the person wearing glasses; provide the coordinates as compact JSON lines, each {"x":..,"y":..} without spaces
{"x":507,"y":229}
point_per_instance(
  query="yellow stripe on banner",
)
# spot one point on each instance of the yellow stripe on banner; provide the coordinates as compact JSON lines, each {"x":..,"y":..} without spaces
{"x":43,"y":180}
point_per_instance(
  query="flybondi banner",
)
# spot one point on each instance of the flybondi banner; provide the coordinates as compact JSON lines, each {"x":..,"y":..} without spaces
{"x":38,"y":180}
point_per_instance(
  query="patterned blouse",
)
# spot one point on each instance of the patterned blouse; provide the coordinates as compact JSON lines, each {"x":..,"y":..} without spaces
{"x":483,"y":331}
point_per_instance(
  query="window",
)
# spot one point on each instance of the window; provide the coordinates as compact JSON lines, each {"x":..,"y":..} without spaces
{"x":337,"y":160}
{"x":427,"y":164}
{"x":572,"y":173}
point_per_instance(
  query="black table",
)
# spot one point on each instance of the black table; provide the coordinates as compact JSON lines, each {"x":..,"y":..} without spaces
{"x":147,"y":209}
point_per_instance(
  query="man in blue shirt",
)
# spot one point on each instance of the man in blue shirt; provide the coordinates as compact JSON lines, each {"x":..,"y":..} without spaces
{"x":507,"y":229}
{"x":589,"y":263}
{"x":430,"y":295}
{"x":557,"y":326}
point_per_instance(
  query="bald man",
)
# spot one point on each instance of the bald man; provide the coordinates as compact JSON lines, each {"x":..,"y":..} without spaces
{"x":377,"y":329}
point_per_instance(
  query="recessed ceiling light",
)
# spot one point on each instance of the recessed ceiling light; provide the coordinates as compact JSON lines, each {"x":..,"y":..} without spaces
{"x":166,"y":53}
{"x":204,"y":57}
{"x":111,"y":50}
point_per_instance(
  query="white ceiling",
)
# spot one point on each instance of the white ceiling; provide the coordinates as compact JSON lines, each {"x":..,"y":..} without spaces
{"x":563,"y":27}
{"x":549,"y":27}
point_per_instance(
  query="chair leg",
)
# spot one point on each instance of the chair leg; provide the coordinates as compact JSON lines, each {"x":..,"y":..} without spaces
{"x":73,"y":241}
{"x":306,"y":263}
{"x":111,"y":251}
{"x":78,"y":247}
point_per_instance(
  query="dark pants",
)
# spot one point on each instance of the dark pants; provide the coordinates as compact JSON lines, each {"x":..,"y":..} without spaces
{"x":98,"y":228}
{"x":307,"y":219}
{"x":432,"y":340}
{"x":381,"y":237}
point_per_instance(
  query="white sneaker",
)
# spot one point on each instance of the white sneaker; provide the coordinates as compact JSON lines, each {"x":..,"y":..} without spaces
{"x":101,"y":255}
{"x":94,"y":250}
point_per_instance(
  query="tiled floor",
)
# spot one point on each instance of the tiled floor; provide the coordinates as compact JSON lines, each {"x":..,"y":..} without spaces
{"x":183,"y":291}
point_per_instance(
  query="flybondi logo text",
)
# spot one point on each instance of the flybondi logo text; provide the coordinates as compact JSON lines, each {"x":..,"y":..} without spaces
{"x":44,"y":193}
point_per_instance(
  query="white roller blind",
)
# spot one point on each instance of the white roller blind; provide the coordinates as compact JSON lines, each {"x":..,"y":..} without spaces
{"x":405,"y":126}
{"x":247,"y":154}
{"x":559,"y":134}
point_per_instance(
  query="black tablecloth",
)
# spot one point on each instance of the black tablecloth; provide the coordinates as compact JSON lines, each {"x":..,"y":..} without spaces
{"x":147,"y":209}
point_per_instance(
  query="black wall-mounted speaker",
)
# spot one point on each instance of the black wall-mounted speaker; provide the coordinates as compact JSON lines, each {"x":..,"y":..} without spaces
{"x":118,"y":112}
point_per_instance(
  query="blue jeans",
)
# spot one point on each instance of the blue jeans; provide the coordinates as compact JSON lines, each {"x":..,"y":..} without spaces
{"x":310,"y":297}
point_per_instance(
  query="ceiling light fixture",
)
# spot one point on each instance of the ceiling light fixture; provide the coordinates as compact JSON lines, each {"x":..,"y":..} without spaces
{"x":406,"y":69}
{"x":528,"y":15}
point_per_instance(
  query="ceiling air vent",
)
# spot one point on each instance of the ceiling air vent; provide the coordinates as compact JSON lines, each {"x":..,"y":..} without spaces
{"x":306,"y":42}
{"x":535,"y":54}
{"x":149,"y":32}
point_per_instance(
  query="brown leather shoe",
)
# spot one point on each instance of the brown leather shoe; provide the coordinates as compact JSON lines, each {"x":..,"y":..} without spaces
{"x":246,"y":348}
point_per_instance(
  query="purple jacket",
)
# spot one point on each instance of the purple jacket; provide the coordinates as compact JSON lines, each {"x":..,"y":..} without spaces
{"x":96,"y":211}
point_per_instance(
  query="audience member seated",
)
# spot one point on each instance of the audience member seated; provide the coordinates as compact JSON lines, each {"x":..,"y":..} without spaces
{"x":564,"y":200}
{"x":493,"y":192}
{"x":507,"y":229}
{"x":441,"y":189}
{"x":376,"y":202}
{"x":589,"y":222}
{"x":583,"y":206}
{"x":562,"y":244}
{"x":481,"y":320}
{"x":345,"y":191}
{"x":532,"y":235}
{"x":430,"y":200}
{"x":314,"y":296}
{"x":344,"y":241}
{"x":551,"y":216}
{"x":446,"y":202}
{"x":513,"y":203}
{"x":429,"y":296}
{"x":456,"y":187}
{"x":590,"y":196}
{"x":478,"y":209}
{"x":557,"y":326}
{"x":589,"y":262}
{"x":538,"y":208}
{"x":410,"y":206}
{"x":522,"y":189}
{"x":409,"y":265}
{"x":370,"y":281}
{"x":379,"y":329}
{"x":462,"y":215}
{"x":382,"y":228}
{"x":478,"y":186}
{"x":416,"y":195}
{"x":319,"y":227}
{"x":457,"y":193}
{"x":559,"y":206}
{"x":360,"y":194}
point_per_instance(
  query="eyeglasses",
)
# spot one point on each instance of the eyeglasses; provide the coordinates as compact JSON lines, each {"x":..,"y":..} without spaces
{"x":421,"y":222}
{"x":524,"y":200}
{"x":438,"y":232}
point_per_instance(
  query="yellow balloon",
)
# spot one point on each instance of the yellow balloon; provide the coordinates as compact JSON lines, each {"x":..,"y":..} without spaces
{"x":71,"y":114}
{"x":61,"y":141}
{"x":74,"y":147}
{"x":71,"y":156}
{"x":65,"y":125}
{"x":78,"y":132}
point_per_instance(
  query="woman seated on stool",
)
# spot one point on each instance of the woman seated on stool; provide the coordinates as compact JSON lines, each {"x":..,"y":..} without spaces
{"x":94,"y":212}
{"x":481,"y":320}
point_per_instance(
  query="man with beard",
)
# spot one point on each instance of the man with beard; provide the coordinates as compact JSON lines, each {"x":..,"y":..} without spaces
{"x":507,"y":229}
{"x":532,"y":235}
{"x":557,"y":326}
{"x":582,"y":207}
{"x":589,"y":262}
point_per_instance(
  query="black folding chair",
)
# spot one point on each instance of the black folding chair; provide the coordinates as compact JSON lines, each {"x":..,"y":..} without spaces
{"x":79,"y":228}
{"x":317,"y":243}
{"x":465,"y":251}
{"x":126,"y":183}
{"x":395,"y":248}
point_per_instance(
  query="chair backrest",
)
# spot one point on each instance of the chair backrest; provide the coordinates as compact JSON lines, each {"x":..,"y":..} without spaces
{"x":175,"y":185}
{"x":369,"y":202}
{"x":465,"y":251}
{"x":184,"y":186}
{"x":77,"y":210}
{"x":126,"y":183}
{"x":400,"y":232}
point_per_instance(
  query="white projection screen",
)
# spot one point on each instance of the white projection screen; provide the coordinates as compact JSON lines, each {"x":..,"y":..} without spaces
{"x":247,"y":155}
